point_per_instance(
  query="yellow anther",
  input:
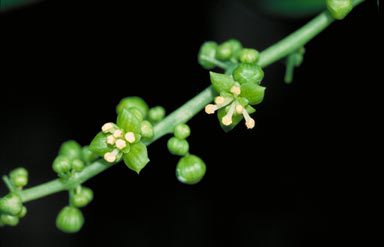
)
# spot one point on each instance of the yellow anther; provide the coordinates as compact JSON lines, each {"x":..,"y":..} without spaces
{"x":107,"y":127}
{"x":110,"y":157}
{"x":120,"y":144}
{"x":130,"y":137}
{"x":210,"y":109}
{"x":239,"y":109}
{"x":118,"y":133}
{"x":235,"y":90}
{"x":219,"y":100}
{"x":110,"y":139}
{"x":226,"y":120}
{"x":250,"y":123}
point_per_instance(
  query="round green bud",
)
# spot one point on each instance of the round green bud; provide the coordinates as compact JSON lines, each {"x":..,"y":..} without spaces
{"x":87,"y":192}
{"x":339,"y":8}
{"x":82,"y":198}
{"x":156,"y":113}
{"x":87,"y":155}
{"x":146,"y":129}
{"x":182,"y":131}
{"x":78,"y":165}
{"x":135,"y":102}
{"x":19,"y":176}
{"x":70,"y":220}
{"x":178,"y":146}
{"x":23,"y":212}
{"x":70,"y":149}
{"x":190,"y":169}
{"x":62,"y":164}
{"x":10,"y":220}
{"x":207,"y":51}
{"x":11,"y":204}
{"x":224,"y":51}
{"x":249,"y":55}
{"x":236,"y":48}
{"x":245,"y":73}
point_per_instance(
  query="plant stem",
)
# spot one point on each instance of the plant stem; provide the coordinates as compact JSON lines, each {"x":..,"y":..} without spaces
{"x":277,"y":51}
{"x":9,"y":184}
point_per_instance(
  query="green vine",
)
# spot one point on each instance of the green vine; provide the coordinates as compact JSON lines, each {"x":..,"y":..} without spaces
{"x":138,"y":126}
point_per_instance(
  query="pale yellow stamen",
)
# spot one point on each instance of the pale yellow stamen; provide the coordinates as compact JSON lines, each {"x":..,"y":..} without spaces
{"x":107,"y":127}
{"x":249,"y":122}
{"x":235,"y":90}
{"x":120,"y":144}
{"x":110,"y":139}
{"x":130,"y":137}
{"x":118,"y":133}
{"x":226,"y":120}
{"x":210,"y":109}
{"x":111,"y":156}
{"x":219,"y":100}
{"x":239,"y":109}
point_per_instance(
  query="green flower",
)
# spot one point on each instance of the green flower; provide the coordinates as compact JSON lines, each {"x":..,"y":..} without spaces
{"x":235,"y":100}
{"x":122,"y":140}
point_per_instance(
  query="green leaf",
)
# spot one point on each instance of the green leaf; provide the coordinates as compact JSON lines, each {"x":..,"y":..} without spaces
{"x":221,"y":82}
{"x":253,"y":92}
{"x":128,"y":121}
{"x":137,"y":158}
{"x":99,"y":144}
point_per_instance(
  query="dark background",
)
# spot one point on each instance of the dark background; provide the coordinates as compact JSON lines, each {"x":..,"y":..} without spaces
{"x":65,"y":66}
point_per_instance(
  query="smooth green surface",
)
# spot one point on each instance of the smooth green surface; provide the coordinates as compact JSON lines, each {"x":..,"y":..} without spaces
{"x":189,"y":109}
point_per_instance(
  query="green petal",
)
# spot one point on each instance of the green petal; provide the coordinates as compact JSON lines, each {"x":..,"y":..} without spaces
{"x":137,"y":158}
{"x":221,"y":82}
{"x":253,"y":92}
{"x":128,"y":121}
{"x":99,"y":144}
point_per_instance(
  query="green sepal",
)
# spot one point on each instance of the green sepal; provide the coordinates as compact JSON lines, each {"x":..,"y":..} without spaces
{"x":236,"y":118}
{"x":71,"y":149}
{"x":246,"y":72}
{"x":221,"y":82}
{"x":190,"y":169}
{"x":87,"y":155}
{"x":133,"y":101}
{"x":137,"y":158}
{"x":254,"y":93}
{"x":207,"y":51}
{"x":99,"y":144}
{"x":11,"y":204}
{"x":339,"y":8}
{"x":127,"y":120}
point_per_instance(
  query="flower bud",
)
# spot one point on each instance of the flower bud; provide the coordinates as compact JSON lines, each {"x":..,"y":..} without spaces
{"x":70,"y":220}
{"x":11,"y":204}
{"x":62,"y":164}
{"x":146,"y":129}
{"x":23,"y":212}
{"x":207,"y":51}
{"x":236,"y":48}
{"x":182,"y":131}
{"x":9,"y":220}
{"x":78,"y":165}
{"x":82,"y":198}
{"x":339,"y":8}
{"x":135,"y":102}
{"x":71,"y":149}
{"x":224,"y":51}
{"x":19,"y":176}
{"x":245,"y":73}
{"x":87,"y":155}
{"x":249,"y":55}
{"x":190,"y":169}
{"x":178,"y":146}
{"x":156,"y":113}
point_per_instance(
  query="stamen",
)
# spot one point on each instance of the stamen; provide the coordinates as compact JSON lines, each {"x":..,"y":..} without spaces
{"x":107,"y":127}
{"x":120,"y":144}
{"x":118,"y":133}
{"x":130,"y":137}
{"x":235,"y":90}
{"x":111,"y":156}
{"x":239,"y":109}
{"x":249,"y":122}
{"x":210,"y":108}
{"x":219,"y":100}
{"x":110,"y":139}
{"x":227,"y":119}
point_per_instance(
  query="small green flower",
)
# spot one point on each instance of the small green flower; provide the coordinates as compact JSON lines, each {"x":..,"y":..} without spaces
{"x":82,"y":197}
{"x":70,"y":149}
{"x":10,"y":220}
{"x":207,"y":52}
{"x":190,"y":169}
{"x":248,"y":55}
{"x":122,"y":140}
{"x":133,"y":102}
{"x":19,"y":176}
{"x":182,"y":131}
{"x":11,"y":204}
{"x":234,"y":101}
{"x":178,"y":146}
{"x":156,"y":113}
{"x":70,"y":220}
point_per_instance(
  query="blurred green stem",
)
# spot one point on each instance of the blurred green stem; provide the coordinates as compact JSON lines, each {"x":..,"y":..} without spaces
{"x":191,"y":108}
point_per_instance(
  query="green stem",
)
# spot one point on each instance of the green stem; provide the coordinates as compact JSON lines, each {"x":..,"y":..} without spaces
{"x":9,"y":184}
{"x":191,"y":108}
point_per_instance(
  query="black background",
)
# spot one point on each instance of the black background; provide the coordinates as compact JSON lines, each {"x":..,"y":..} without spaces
{"x":65,"y":66}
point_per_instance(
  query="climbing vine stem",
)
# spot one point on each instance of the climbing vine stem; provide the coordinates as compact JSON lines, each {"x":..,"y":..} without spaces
{"x":184,"y":113}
